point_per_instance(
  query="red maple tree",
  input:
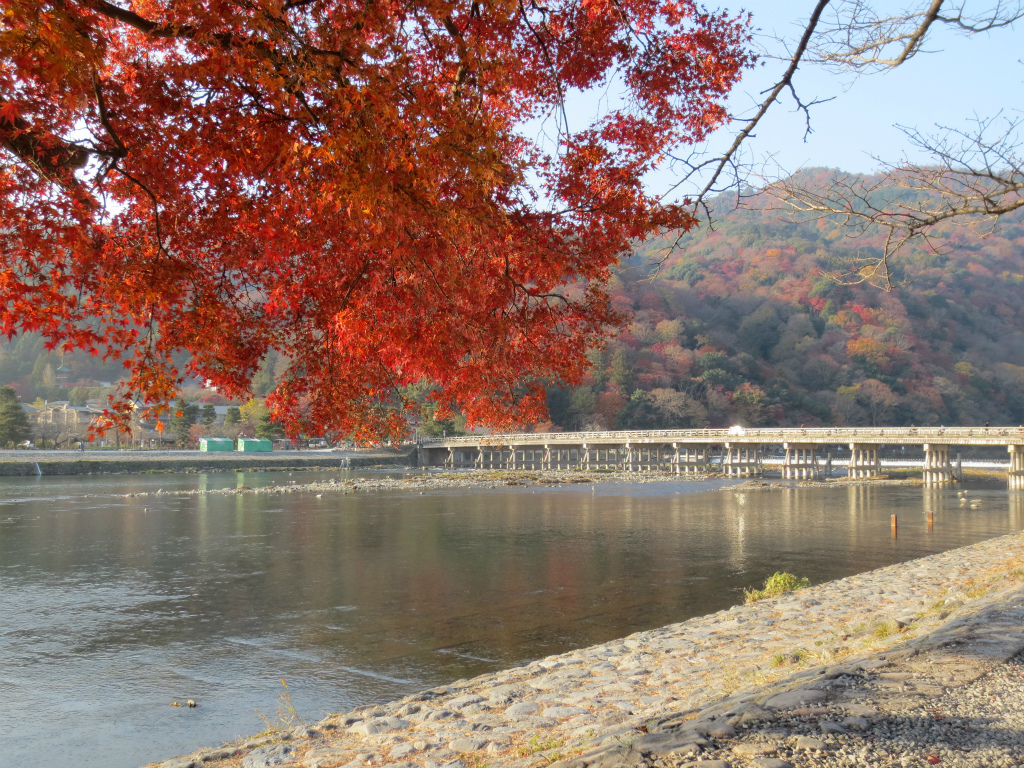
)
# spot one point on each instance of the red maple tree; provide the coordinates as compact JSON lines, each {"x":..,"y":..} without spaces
{"x":352,"y":183}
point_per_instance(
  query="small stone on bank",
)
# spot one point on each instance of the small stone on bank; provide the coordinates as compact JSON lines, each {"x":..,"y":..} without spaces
{"x":770,"y":762}
{"x":722,"y":731}
{"x":793,"y":699}
{"x":754,"y":749}
{"x":563,"y":711}
{"x":523,"y":708}
{"x":467,"y":745}
{"x":401,"y":750}
{"x":269,"y":756}
{"x":810,"y":743}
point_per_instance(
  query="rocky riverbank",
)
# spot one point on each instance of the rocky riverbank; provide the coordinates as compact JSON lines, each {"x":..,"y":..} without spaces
{"x":434,"y":479}
{"x":904,"y":666}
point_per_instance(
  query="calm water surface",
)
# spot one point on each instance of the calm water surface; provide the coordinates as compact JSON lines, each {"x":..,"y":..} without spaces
{"x":112,"y":607}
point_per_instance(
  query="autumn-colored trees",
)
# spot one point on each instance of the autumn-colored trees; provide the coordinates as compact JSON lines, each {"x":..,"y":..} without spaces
{"x":738,"y":325}
{"x":383,"y":193}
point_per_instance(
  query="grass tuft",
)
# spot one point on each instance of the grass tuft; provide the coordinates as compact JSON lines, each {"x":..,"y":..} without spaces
{"x":286,"y":717}
{"x":775,"y":585}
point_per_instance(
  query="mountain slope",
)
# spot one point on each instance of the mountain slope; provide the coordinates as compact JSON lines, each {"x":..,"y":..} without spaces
{"x":741,"y":324}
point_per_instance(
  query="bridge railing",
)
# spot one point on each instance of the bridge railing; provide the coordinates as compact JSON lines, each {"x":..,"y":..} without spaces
{"x":822,"y":435}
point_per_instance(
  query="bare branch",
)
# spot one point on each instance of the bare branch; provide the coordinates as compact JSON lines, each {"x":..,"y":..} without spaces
{"x":972,"y":176}
{"x":728,"y":162}
{"x":855,"y":38}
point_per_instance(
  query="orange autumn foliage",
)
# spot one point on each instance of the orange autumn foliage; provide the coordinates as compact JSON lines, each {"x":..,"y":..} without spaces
{"x":348,"y":183}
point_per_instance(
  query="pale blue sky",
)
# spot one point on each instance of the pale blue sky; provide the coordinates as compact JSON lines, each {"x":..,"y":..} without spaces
{"x":963,"y":77}
{"x":956,"y":79}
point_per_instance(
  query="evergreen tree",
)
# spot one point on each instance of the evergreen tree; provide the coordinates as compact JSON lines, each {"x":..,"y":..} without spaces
{"x":622,"y":372}
{"x":267,"y":429}
{"x":208,"y":415}
{"x":14,"y":426}
{"x":181,"y":424}
{"x":233,"y":416}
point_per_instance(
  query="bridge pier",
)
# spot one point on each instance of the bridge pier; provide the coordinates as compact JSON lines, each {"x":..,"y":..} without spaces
{"x":937,"y":469}
{"x":741,"y":460}
{"x":612,"y":457}
{"x":688,"y":451}
{"x":492,"y":457}
{"x":555,"y":459}
{"x":863,"y":461}
{"x":800,"y":462}
{"x":1015,"y":476}
{"x":641,"y":457}
{"x":690,"y":459}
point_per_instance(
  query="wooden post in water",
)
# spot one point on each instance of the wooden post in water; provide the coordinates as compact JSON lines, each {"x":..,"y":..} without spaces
{"x":893,"y":519}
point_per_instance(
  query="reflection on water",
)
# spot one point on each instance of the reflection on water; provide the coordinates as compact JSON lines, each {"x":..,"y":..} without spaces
{"x":113,"y":607}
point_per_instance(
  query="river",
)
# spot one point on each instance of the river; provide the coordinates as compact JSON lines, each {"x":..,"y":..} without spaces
{"x":113,"y":607}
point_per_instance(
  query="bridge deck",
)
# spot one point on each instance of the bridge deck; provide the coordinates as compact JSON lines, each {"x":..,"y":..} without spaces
{"x":690,"y":450}
{"x":758,"y":436}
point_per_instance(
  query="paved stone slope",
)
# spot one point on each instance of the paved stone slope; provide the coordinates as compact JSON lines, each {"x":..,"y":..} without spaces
{"x":954,"y":697}
{"x":847,"y":671}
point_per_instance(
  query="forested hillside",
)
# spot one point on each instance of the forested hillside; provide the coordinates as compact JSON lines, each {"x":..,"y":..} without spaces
{"x":740,"y":325}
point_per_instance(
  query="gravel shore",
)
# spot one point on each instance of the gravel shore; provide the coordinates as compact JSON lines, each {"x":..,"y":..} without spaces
{"x":911,"y":665}
{"x":433,"y":479}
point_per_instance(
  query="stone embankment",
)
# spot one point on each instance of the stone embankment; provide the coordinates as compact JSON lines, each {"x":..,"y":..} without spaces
{"x":909,"y":665}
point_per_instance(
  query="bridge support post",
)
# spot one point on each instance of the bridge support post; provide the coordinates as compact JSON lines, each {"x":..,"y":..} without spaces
{"x":1015,"y":477}
{"x":690,"y":459}
{"x":937,"y":469}
{"x":800,"y":462}
{"x":863,"y":461}
{"x":742,"y":460}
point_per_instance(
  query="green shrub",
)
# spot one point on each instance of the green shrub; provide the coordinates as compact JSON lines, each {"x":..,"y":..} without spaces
{"x":775,"y":585}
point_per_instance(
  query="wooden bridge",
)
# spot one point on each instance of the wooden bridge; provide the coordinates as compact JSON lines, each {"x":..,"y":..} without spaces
{"x":735,"y":451}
